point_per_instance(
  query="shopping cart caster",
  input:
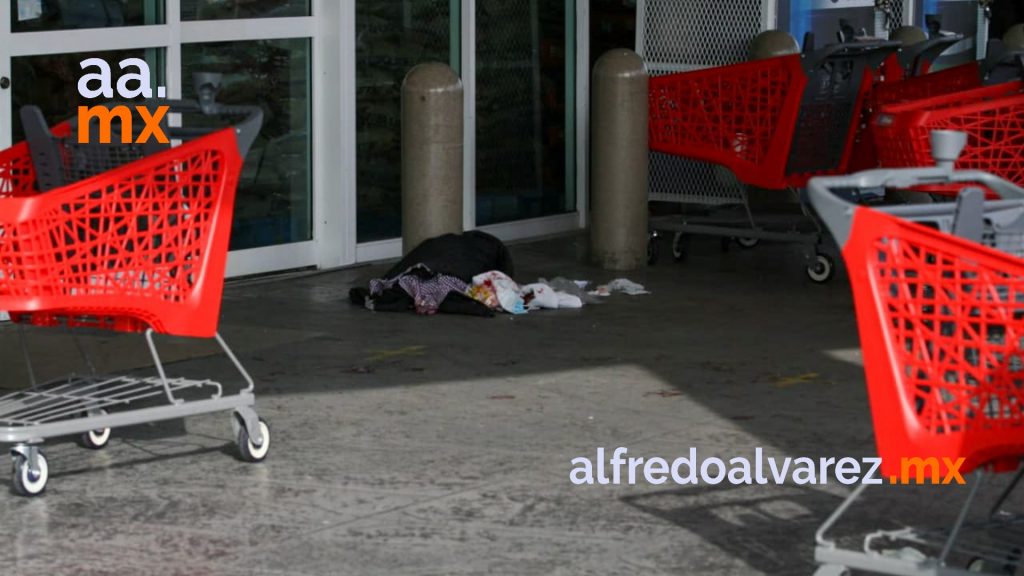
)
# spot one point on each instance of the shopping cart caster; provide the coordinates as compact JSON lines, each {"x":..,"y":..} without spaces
{"x":680,"y":246}
{"x":821,"y":269}
{"x":986,"y":566}
{"x":247,"y":449}
{"x":832,"y":570}
{"x":28,"y":482}
{"x":95,"y":439}
{"x":653,"y":249}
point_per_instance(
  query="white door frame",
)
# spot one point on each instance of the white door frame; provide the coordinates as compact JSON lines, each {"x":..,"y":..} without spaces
{"x":332,"y":245}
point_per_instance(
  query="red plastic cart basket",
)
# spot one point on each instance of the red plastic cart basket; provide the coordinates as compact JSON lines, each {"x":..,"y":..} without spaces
{"x":141,"y":246}
{"x":907,"y":89}
{"x":774,"y":122}
{"x":941,"y":322}
{"x":948,"y":81}
{"x":739,"y":116}
{"x":992,"y":117}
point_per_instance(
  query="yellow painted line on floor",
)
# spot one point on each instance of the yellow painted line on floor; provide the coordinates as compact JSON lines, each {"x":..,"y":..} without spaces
{"x":788,"y":381}
{"x":381,"y":355}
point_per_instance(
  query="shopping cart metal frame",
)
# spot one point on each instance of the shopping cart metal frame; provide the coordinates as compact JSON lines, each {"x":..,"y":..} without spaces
{"x":981,"y":221}
{"x":92,"y":405}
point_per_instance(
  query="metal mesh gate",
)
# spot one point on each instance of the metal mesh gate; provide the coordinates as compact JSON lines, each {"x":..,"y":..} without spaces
{"x":890,"y":15}
{"x":683,"y":35}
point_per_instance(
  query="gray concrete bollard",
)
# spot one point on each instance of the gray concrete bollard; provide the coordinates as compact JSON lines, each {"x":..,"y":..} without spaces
{"x":432,"y":154}
{"x":619,"y":157}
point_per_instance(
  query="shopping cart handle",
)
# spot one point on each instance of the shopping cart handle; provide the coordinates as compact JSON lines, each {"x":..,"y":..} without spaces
{"x":837,"y":213}
{"x":914,"y":56}
{"x":876,"y":51}
{"x":1009,"y":59}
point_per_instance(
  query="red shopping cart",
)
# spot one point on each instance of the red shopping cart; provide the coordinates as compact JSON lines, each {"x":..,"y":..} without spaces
{"x":941,"y":320}
{"x":133,"y":240}
{"x":906,"y":78}
{"x":773,"y":124}
{"x":907,"y":89}
{"x":992,"y":117}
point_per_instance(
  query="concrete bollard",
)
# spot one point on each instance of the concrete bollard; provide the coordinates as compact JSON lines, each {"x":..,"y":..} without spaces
{"x":432,"y":154}
{"x":619,"y":157}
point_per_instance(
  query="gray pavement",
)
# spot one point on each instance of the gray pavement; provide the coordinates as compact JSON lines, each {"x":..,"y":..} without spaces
{"x":406,"y":445}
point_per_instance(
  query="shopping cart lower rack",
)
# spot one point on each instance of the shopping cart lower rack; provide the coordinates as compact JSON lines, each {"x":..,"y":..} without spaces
{"x":940,"y":309}
{"x":125,"y":239}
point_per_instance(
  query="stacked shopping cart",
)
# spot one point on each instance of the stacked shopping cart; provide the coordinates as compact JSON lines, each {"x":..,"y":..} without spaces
{"x":773,"y":123}
{"x":939,"y":294}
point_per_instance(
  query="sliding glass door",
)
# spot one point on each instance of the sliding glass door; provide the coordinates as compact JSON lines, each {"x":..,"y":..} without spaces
{"x":263,"y":48}
{"x":525,"y":109}
{"x":392,"y":36}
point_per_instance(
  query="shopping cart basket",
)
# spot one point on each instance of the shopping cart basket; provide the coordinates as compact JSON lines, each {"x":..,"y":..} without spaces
{"x":992,"y":117}
{"x":773,"y":123}
{"x":940,"y":308}
{"x":131,"y":241}
{"x":907,"y":89}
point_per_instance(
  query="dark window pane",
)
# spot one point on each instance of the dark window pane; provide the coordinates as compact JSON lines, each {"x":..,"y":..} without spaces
{"x":274,"y":204}
{"x":394,"y":36}
{"x":525,"y":107}
{"x":235,"y":9}
{"x":42,"y":15}
{"x":51,"y":82}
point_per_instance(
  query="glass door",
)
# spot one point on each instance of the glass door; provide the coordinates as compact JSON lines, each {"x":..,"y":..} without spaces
{"x":525,"y":110}
{"x":392,"y":37}
{"x":42,"y":43}
{"x":263,"y":48}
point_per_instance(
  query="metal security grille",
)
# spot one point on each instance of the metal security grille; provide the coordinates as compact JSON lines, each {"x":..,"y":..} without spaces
{"x":509,"y":152}
{"x":890,"y":15}
{"x":683,"y":35}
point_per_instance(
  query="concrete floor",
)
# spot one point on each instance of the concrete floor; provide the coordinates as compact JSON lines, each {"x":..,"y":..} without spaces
{"x":406,"y":445}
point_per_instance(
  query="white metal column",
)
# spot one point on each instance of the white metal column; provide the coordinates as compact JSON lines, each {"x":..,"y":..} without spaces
{"x":583,"y":112}
{"x":469,"y":118}
{"x":334,"y":154}
{"x":6,"y":115}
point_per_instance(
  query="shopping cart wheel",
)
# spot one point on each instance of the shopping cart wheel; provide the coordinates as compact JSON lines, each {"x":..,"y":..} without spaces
{"x":984,"y":565}
{"x":976,"y":564}
{"x":748,"y":243}
{"x":27,"y":483}
{"x":249,"y":451}
{"x":680,"y":245}
{"x":95,"y":439}
{"x":821,"y":269}
{"x":832,"y":570}
{"x":653,"y":250}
